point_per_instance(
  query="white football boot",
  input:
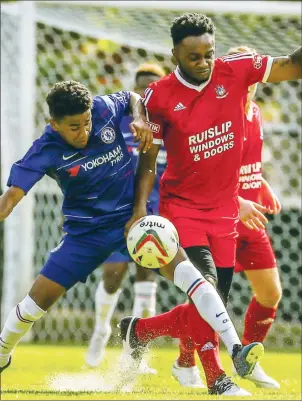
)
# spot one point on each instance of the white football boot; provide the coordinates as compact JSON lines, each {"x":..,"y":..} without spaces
{"x":225,"y":386}
{"x":145,"y":369}
{"x":96,"y":350}
{"x":187,"y":377}
{"x":260,"y":378}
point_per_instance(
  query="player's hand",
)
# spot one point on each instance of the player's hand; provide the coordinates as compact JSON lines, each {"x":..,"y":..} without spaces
{"x":251,"y":214}
{"x":136,"y":216}
{"x":269,"y":200}
{"x":141,"y":132}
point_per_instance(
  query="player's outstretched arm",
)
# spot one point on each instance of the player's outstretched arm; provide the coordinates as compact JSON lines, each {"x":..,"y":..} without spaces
{"x":9,"y":200}
{"x":287,"y":68}
{"x":251,"y":214}
{"x":144,"y":182}
{"x":139,"y":127}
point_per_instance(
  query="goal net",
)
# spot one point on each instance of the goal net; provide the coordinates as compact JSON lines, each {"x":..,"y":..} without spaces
{"x":101,"y":44}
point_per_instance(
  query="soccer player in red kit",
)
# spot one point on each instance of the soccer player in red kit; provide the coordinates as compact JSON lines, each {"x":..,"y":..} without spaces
{"x":198,"y":112}
{"x":254,"y":253}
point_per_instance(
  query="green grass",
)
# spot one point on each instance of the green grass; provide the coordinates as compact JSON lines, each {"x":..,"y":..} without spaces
{"x":34,"y":368}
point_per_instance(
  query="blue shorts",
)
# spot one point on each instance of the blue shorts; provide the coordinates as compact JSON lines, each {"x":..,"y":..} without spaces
{"x":76,"y":257}
{"x":118,"y":257}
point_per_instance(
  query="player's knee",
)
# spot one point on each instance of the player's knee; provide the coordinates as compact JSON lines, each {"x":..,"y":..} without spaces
{"x":202,"y":258}
{"x":211,"y":279}
{"x":143,"y":274}
{"x":110,"y":286}
{"x":112,"y":281}
{"x":270,"y":297}
{"x":113,"y":275}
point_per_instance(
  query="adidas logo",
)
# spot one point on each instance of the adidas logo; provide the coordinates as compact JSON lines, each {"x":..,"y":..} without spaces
{"x":207,"y":346}
{"x":180,"y":106}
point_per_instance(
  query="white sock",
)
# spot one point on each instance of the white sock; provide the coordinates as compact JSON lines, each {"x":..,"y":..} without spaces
{"x":145,"y":299}
{"x":104,"y":307}
{"x":207,"y":302}
{"x":18,"y":323}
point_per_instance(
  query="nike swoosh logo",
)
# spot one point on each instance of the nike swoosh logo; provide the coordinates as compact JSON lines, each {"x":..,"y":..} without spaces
{"x":69,"y":157}
{"x":219,"y":314}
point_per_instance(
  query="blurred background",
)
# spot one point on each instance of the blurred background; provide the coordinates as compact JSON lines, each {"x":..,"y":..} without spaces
{"x":101,"y":43}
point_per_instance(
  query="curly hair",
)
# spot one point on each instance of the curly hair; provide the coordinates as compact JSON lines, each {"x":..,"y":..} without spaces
{"x":149,"y":69}
{"x":68,"y":98}
{"x":241,"y":49}
{"x":190,"y":24}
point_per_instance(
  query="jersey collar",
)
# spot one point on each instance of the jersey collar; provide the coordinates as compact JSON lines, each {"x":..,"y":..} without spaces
{"x":191,"y":86}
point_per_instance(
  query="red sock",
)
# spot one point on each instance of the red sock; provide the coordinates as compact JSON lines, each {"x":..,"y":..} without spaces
{"x":206,"y":344}
{"x":182,"y":322}
{"x":258,"y":320}
{"x":172,"y":323}
{"x":186,"y":357}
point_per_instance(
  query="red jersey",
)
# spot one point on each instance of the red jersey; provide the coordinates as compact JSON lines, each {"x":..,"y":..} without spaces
{"x":250,"y":177}
{"x":202,"y":129}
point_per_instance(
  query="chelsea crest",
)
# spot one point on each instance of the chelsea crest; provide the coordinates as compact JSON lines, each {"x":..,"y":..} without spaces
{"x":107,"y":135}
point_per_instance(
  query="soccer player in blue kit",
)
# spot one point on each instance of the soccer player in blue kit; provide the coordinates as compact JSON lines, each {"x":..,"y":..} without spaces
{"x":84,"y":151}
{"x":116,"y":266}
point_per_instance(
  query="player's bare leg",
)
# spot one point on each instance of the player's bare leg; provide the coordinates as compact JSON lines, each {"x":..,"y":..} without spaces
{"x":43,"y":294}
{"x":260,"y":316}
{"x":144,"y":293}
{"x":106,"y":298}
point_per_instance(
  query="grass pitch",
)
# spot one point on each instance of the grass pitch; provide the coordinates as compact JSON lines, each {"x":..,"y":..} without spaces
{"x":59,"y":373}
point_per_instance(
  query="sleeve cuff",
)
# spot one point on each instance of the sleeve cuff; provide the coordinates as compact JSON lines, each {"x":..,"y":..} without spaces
{"x":157,"y":141}
{"x":268,"y":69}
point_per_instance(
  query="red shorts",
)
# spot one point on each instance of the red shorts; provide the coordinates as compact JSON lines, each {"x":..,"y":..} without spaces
{"x":215,"y":228}
{"x":254,"y":250}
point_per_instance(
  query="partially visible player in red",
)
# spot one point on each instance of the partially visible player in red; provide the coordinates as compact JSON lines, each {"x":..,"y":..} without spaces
{"x":198,"y":112}
{"x":254,"y":254}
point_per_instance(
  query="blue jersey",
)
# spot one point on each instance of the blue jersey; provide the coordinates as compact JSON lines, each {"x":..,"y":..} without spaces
{"x":161,"y":160}
{"x":98,"y":181}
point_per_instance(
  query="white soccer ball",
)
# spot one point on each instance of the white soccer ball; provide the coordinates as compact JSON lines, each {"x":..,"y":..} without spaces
{"x":152,"y":241}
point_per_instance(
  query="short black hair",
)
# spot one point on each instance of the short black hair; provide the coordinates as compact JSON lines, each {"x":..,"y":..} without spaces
{"x":68,"y":98}
{"x":190,"y":24}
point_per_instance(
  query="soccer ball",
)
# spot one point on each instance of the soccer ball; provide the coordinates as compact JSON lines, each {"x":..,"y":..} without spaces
{"x":152,"y":241}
